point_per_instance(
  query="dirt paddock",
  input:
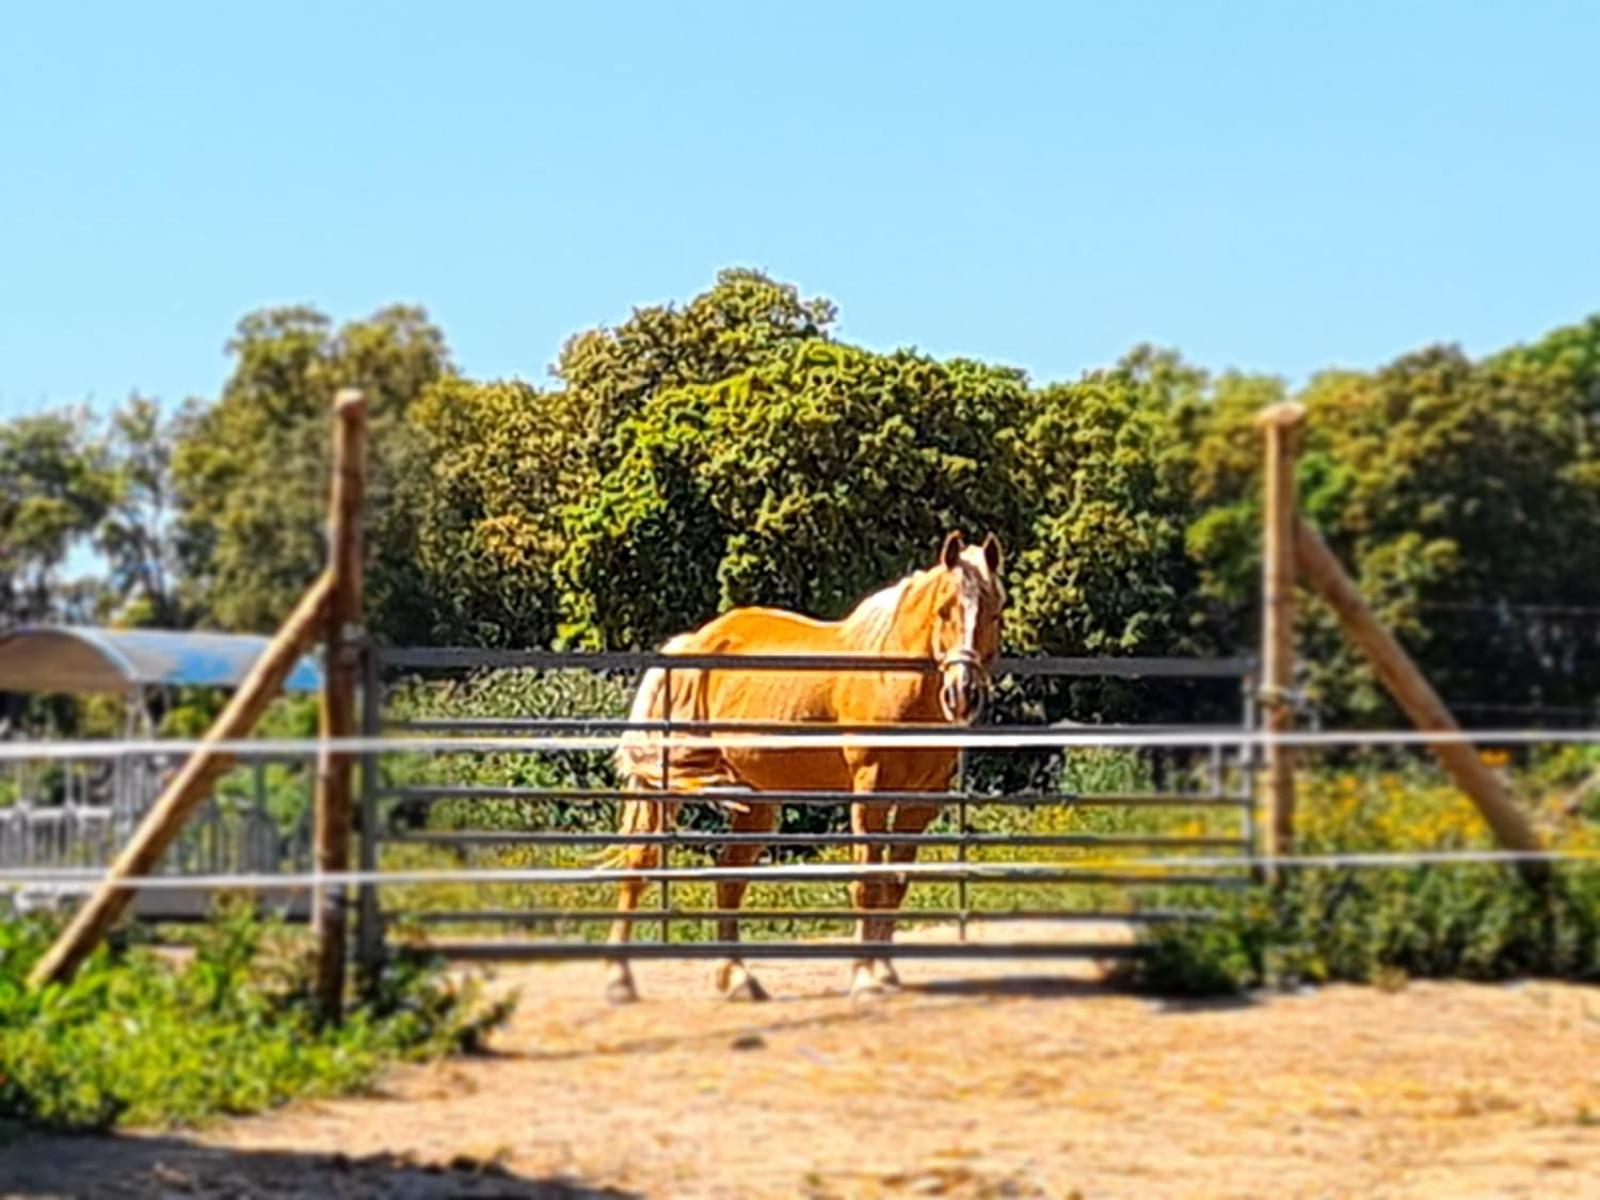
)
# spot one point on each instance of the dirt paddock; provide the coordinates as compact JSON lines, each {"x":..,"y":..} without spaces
{"x":981,"y":1080}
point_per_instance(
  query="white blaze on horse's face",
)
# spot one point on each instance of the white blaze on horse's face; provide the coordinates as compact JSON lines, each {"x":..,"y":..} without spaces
{"x":967,"y":626}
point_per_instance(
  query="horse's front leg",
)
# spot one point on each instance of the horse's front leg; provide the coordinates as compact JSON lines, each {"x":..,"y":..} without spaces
{"x":868,"y":893}
{"x":734,"y":979}
{"x":912,"y":820}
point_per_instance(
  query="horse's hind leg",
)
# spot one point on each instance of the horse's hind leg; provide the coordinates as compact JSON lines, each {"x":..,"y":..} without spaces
{"x":638,"y":816}
{"x":733,"y":978}
{"x":911,"y":819}
{"x":620,"y":988}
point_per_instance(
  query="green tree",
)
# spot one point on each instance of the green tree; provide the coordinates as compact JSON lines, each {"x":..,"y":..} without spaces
{"x":745,"y":319}
{"x":1461,"y":495}
{"x":136,"y":536}
{"x":1108,"y":470}
{"x":806,"y":482}
{"x":252,"y":469}
{"x":54,"y":490}
{"x":502,"y":460}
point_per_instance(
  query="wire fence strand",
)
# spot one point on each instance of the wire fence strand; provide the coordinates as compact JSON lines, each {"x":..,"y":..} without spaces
{"x":80,"y":880}
{"x":902,"y":737}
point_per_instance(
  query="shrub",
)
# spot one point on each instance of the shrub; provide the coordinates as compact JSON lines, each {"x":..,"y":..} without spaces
{"x":135,"y":1039}
{"x":503,"y":694}
{"x":1361,"y":924}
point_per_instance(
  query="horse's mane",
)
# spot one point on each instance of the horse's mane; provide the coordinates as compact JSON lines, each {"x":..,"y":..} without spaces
{"x":872,"y":621}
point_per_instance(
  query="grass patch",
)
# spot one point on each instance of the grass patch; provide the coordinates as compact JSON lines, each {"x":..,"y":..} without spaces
{"x":135,"y":1039}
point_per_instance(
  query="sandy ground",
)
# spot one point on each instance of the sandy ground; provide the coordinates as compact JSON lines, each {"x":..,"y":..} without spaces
{"x":982,"y":1080}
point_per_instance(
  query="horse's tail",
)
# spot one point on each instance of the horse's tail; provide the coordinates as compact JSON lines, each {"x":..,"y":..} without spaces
{"x":646,"y":763}
{"x":642,"y":812}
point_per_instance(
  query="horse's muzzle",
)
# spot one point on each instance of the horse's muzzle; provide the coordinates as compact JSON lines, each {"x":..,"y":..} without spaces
{"x":963,"y":688}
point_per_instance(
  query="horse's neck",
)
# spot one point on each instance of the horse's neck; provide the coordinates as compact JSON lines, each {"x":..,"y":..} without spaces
{"x":893,"y":623}
{"x":890,"y":622}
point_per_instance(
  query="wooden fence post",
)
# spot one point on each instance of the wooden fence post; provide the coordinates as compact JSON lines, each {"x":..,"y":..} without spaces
{"x":1280,"y":427}
{"x":342,"y":634}
{"x":192,"y":784}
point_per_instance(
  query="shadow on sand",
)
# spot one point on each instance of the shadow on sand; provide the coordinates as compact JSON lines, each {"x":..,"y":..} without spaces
{"x":140,"y":1167}
{"x":764,"y":1019}
{"x":1045,"y":987}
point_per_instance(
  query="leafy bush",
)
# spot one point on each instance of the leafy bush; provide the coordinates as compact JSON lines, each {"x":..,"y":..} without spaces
{"x":135,"y":1039}
{"x":1466,"y":921}
{"x":503,"y":694}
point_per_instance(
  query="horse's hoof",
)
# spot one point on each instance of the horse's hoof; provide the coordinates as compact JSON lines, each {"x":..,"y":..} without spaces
{"x":887,"y":978}
{"x":621,"y":991}
{"x":747,"y":989}
{"x":866,"y":987}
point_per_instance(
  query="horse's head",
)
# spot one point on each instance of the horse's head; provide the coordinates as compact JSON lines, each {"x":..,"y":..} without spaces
{"x":966,"y":624}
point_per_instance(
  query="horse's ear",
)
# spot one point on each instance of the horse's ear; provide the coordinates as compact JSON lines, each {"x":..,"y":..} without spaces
{"x":993,"y":554}
{"x":950,"y":555}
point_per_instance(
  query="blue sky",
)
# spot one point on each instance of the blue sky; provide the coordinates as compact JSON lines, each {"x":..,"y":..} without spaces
{"x":1276,"y":187}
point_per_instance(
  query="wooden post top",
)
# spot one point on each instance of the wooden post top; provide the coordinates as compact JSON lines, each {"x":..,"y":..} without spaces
{"x":348,"y":400}
{"x":1286,"y":414}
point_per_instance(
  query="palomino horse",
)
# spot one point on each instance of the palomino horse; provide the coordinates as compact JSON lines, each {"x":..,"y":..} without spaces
{"x":948,"y":614}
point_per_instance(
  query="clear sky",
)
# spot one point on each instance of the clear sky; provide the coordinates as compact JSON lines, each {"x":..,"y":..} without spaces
{"x":1280,"y":186}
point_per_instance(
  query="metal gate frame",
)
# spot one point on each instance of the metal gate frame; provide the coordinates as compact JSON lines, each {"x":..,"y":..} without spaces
{"x":377,"y":661}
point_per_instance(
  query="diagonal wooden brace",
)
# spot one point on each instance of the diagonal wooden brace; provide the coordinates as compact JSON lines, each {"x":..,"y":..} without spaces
{"x":1320,"y":568}
{"x":192,"y":784}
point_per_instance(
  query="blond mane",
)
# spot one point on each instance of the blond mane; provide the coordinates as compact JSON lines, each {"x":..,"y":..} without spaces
{"x":872,"y":621}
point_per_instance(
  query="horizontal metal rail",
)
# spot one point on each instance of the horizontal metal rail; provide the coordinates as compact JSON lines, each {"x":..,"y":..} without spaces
{"x":690,"y":838}
{"x":975,"y":874}
{"x":511,"y":725}
{"x":466,"y":657}
{"x":70,"y":880}
{"x":756,"y":951}
{"x":542,"y":916}
{"x":933,"y":738}
{"x":439,"y":793}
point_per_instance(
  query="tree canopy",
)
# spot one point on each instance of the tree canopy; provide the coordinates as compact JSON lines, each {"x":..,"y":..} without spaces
{"x":727,"y":450}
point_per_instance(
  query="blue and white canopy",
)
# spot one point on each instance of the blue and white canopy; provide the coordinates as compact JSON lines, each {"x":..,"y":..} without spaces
{"x":84,"y":658}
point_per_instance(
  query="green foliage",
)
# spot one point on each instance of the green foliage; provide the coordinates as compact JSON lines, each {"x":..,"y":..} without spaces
{"x":1376,"y":926}
{"x":136,"y":536}
{"x":1367,"y":925}
{"x":54,"y":489}
{"x":251,"y":471}
{"x":725,"y":451}
{"x":1106,"y":472}
{"x":504,"y":458}
{"x":69,"y":482}
{"x":134,"y":1039}
{"x":805,"y":482}
{"x":1460,"y":493}
{"x":494,"y":695}
{"x":746,"y":319}
{"x":500,"y":461}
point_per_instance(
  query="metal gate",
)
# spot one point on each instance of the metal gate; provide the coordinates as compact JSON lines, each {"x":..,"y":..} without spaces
{"x":1020,"y":839}
{"x":71,"y":815}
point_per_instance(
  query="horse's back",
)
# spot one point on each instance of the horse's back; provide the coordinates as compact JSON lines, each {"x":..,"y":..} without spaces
{"x":762,"y":694}
{"x":763,"y":631}
{"x":832,"y":696}
{"x":731,"y":696}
